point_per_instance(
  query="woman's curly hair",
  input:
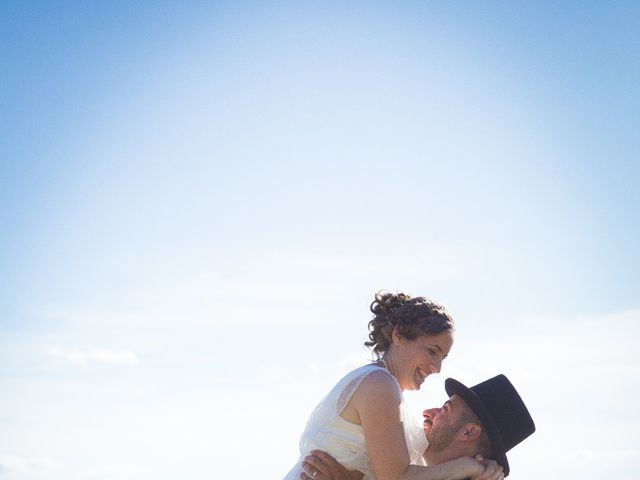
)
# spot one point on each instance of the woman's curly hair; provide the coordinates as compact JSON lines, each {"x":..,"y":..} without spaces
{"x":411,"y":317}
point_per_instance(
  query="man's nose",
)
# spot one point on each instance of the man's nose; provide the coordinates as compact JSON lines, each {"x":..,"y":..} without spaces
{"x":429,"y":413}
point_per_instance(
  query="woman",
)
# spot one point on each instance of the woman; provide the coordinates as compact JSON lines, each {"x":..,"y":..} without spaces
{"x":361,"y":422}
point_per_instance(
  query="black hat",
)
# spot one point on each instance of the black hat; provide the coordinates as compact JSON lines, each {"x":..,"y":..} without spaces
{"x":502,"y":412}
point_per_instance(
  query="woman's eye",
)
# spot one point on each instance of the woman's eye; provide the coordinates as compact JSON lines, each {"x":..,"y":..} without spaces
{"x":431,"y":351}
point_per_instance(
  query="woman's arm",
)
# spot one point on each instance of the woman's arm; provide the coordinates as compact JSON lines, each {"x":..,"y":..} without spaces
{"x":377,"y":402}
{"x":320,"y":465}
{"x":458,"y":469}
{"x":377,"y":405}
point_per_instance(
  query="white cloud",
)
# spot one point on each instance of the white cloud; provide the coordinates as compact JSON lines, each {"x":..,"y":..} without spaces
{"x":14,"y":464}
{"x":117,"y":471}
{"x":96,"y":355}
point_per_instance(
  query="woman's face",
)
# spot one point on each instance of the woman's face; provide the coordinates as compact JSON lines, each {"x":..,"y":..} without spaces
{"x":419,"y":358}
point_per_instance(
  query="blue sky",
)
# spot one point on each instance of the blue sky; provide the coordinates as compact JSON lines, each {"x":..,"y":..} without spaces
{"x":199,"y":201}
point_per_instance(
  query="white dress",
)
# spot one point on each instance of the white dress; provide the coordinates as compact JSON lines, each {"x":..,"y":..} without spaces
{"x":326,"y":430}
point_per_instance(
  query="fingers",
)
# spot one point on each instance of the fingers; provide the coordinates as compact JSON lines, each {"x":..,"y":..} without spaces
{"x":309,"y":472}
{"x":492,"y":470}
{"x":319,"y":465}
{"x":315,"y":466}
{"x":329,"y":465}
{"x":322,"y":456}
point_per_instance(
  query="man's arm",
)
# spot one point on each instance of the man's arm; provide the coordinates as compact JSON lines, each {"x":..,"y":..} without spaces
{"x":319,"y":465}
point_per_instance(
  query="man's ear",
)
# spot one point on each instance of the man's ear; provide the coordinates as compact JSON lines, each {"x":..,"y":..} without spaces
{"x":469,"y":432}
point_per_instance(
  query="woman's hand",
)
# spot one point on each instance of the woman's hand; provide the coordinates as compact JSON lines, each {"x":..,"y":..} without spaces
{"x":319,"y":465}
{"x":461,"y":468}
{"x":492,"y":471}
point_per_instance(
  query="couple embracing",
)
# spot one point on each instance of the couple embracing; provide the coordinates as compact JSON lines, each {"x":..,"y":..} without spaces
{"x":361,"y":429}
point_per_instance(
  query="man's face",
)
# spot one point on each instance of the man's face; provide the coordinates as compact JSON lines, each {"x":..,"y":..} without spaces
{"x":442,"y":424}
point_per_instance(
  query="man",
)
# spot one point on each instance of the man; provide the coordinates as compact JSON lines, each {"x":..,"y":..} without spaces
{"x":484,"y":421}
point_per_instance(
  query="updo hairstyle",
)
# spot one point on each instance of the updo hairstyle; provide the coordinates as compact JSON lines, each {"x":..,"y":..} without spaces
{"x":412,"y":317}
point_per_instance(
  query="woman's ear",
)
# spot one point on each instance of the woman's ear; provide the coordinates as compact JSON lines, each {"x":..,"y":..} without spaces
{"x":396,"y":338}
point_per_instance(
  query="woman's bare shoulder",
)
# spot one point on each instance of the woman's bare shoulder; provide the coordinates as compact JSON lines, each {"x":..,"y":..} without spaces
{"x":378,"y":384}
{"x":378,"y":390}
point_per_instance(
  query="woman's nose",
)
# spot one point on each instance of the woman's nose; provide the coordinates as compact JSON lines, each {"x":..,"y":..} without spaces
{"x":436,"y":366}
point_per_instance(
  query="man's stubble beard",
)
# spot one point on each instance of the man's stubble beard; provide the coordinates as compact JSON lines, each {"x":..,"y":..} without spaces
{"x":441,"y":439}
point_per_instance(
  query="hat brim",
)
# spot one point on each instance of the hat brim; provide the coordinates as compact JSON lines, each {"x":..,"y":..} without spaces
{"x":454,"y":387}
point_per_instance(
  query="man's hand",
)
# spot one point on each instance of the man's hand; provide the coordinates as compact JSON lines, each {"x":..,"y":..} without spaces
{"x":319,"y":465}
